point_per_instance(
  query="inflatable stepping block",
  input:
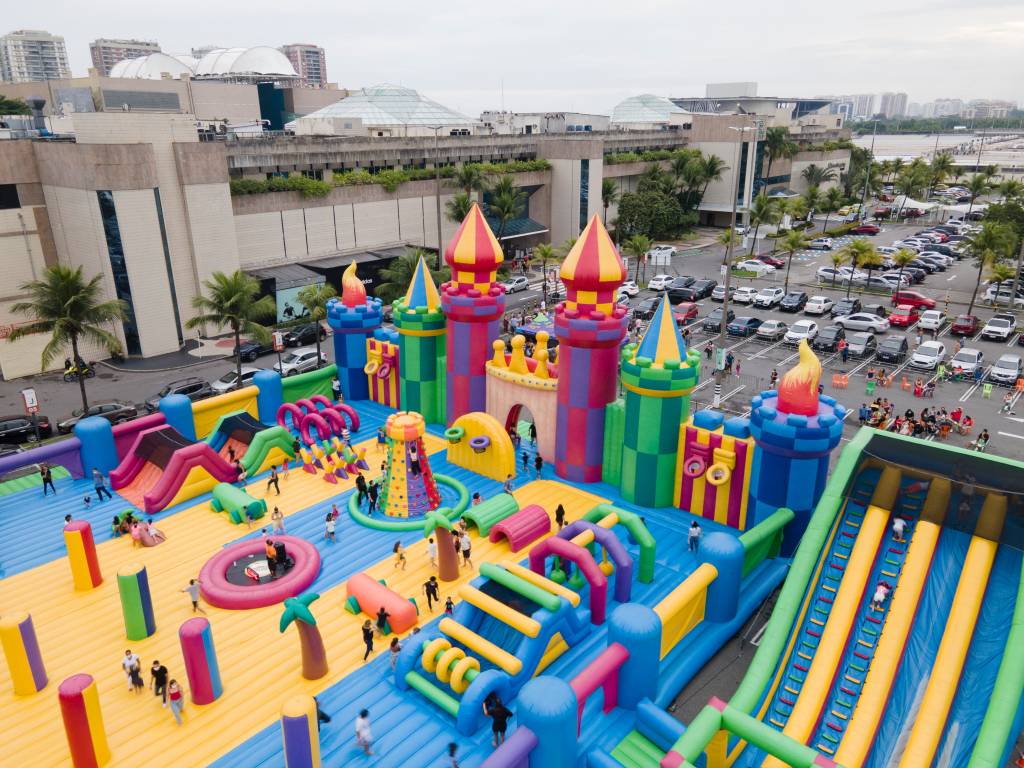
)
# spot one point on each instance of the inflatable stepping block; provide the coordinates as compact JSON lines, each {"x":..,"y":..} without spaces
{"x":523,"y":528}
{"x":487,"y":514}
{"x":371,"y":595}
{"x":235,"y":501}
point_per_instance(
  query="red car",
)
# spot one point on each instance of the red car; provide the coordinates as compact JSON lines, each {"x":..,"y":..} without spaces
{"x":773,"y":261}
{"x":866,"y":229}
{"x":965,"y":325}
{"x":684,"y":313}
{"x":904,"y":316}
{"x":912,"y":299}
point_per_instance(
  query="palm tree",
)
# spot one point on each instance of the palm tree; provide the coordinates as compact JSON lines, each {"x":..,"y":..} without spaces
{"x":314,"y":298}
{"x":506,"y":203}
{"x":990,"y":172}
{"x":763,"y":210}
{"x":545,"y":252}
{"x":994,"y":242}
{"x":941,"y":167}
{"x":314,"y":657}
{"x":813,"y":198}
{"x":396,"y":278}
{"x":885,"y":168}
{"x":609,"y":195}
{"x":796,"y":207}
{"x":777,"y":146}
{"x":1000,"y":273}
{"x":896,"y":167}
{"x":70,"y":309}
{"x":790,"y":243}
{"x":902,"y":258}
{"x":838,"y":258}
{"x":637,"y":246}
{"x":977,"y":186}
{"x":860,"y":253}
{"x":1010,"y":189}
{"x":833,"y":202}
{"x":469,"y":178}
{"x":712,"y":169}
{"x":870,"y":178}
{"x":437,"y":524}
{"x":457,"y":208}
{"x":234,"y":301}
{"x":815,"y":175}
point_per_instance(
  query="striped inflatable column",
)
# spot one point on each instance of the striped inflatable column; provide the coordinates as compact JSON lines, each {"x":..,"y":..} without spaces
{"x":83,"y":722}
{"x":473,"y":323}
{"x":300,"y":732}
{"x":21,"y":649}
{"x":85,"y":566}
{"x":422,"y":361}
{"x":200,"y":660}
{"x":136,"y":601}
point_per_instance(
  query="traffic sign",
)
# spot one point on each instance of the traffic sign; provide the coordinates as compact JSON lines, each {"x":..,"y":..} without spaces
{"x":28,"y":396}
{"x":278,"y":341}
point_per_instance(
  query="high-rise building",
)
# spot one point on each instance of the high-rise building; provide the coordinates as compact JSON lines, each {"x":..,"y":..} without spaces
{"x":948,"y":107}
{"x":982,"y":108}
{"x":28,"y":55}
{"x":309,"y":61}
{"x":106,"y":53}
{"x":853,"y":107}
{"x":893,"y":104}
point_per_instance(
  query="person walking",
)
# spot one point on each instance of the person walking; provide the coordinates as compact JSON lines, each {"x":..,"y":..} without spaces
{"x":329,"y":526}
{"x":361,"y":488}
{"x":432,"y":552}
{"x":177,"y":699}
{"x":193,"y":594}
{"x":538,"y":464}
{"x":129,"y":662}
{"x":367,"y":638}
{"x":135,"y":672}
{"x":533,"y":433}
{"x":273,"y":481}
{"x":158,"y":680}
{"x":99,"y":486}
{"x":506,"y":487}
{"x":399,"y":555}
{"x":277,"y":521}
{"x":560,"y":516}
{"x":774,"y":379}
{"x":693,"y":536}
{"x":466,"y":545}
{"x":395,"y":648}
{"x":430,"y":589}
{"x":47,"y":476}
{"x":364,"y":736}
{"x":526,"y":463}
{"x":373,"y":491}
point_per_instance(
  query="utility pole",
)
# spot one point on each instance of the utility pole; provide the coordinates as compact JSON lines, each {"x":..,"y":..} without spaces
{"x":1016,"y":277}
{"x":437,"y":193}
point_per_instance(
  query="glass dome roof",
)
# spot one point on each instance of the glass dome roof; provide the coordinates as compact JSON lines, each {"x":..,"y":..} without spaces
{"x":391,"y":105}
{"x":645,"y":108}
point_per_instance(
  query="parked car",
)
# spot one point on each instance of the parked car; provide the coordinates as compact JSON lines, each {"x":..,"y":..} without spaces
{"x":866,"y":229}
{"x":1000,"y":328}
{"x":769,"y":297}
{"x":113,"y":411}
{"x":250,"y":350}
{"x":516,"y":284}
{"x":629,"y":288}
{"x":876,"y":283}
{"x":793,"y":301}
{"x":967,"y":360}
{"x":299,"y":361}
{"x":704,"y":288}
{"x":818,"y":305}
{"x":802,"y":329}
{"x":645,"y":309}
{"x":663,"y":251}
{"x":828,"y":338}
{"x":676,"y":295}
{"x":659,"y":282}
{"x":772,"y":330}
{"x":682,"y":281}
{"x":713,"y":322}
{"x":1001,"y":297}
{"x":845,"y":307}
{"x":912,"y":298}
{"x":941,"y":258}
{"x":964,"y":325}
{"x":932,"y":320}
{"x":862,"y":321}
{"x":886,"y":250}
{"x":893,"y":349}
{"x":1006,"y":370}
{"x":928,"y":356}
{"x":861,"y":344}
{"x":305,"y":334}
{"x":744,"y":294}
{"x":20,"y":429}
{"x":927,"y":266}
{"x":718,"y":294}
{"x":820,"y":244}
{"x":904,"y":316}
{"x":759,"y":268}
{"x":875,"y":309}
{"x":896,"y":280}
{"x":773,"y":261}
{"x":832,"y":276}
{"x":684,"y":313}
{"x":192,"y":387}
{"x":230,"y":380}
{"x":743,"y":326}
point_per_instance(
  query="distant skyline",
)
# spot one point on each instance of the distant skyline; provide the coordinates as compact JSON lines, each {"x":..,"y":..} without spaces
{"x":535,"y":55}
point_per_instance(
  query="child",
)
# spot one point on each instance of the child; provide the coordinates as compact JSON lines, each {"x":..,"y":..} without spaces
{"x":526,"y":463}
{"x":449,"y":606}
{"x":399,"y":555}
{"x":452,"y":748}
{"x":507,"y":485}
{"x":87,"y":501}
{"x":329,"y":525}
{"x":899,"y":525}
{"x":432,"y":552}
{"x":382,"y":620}
{"x":381,"y":440}
{"x":476,"y":498}
{"x":334,"y":512}
{"x":395,"y":648}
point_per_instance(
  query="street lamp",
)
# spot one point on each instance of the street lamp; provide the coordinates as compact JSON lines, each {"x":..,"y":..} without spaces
{"x":720,"y":342}
{"x":437,"y":190}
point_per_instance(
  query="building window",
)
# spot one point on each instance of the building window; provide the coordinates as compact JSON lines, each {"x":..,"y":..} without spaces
{"x":123,"y":287}
{"x":318,"y":175}
{"x":167,"y":263}
{"x":741,"y":188}
{"x":9,"y":196}
{"x":584,"y":191}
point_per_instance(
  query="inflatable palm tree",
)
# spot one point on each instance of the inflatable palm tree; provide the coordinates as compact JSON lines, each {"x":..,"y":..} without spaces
{"x":437,"y":524}
{"x":314,"y":657}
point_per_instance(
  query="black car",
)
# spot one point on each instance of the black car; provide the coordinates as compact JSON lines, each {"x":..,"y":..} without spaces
{"x":193,"y":388}
{"x":645,"y":309}
{"x":845,"y":307}
{"x":916,"y":275}
{"x":704,"y":287}
{"x":927,"y":266}
{"x":713,"y":322}
{"x":861,"y":345}
{"x":939,"y":266}
{"x":743,"y":326}
{"x":679,"y":295}
{"x":113,"y":411}
{"x":893,"y":349}
{"x":683,"y":281}
{"x":875,"y":309}
{"x":944,"y":249}
{"x":19,"y":428}
{"x":828,"y":338}
{"x":793,"y":301}
{"x":304,"y":335}
{"x":250,"y":350}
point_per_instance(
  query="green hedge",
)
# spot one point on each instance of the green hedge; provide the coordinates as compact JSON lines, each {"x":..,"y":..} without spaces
{"x":651,"y":155}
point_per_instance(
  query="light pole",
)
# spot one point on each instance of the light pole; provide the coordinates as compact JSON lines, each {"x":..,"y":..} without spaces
{"x":437,"y":190}
{"x":727,"y":264}
{"x":867,"y":174}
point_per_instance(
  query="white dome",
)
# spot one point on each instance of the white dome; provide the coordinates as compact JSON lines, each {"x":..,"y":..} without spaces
{"x":151,"y":67}
{"x":261,"y":60}
{"x":645,"y":108}
{"x":391,"y":105}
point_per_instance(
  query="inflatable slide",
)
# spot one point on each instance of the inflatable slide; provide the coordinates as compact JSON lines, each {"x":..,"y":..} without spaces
{"x":254,"y":444}
{"x":163,"y":468}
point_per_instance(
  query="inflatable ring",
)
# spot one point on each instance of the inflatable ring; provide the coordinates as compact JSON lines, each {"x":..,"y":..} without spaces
{"x":718,"y":474}
{"x":694,"y":467}
{"x":447,"y":661}
{"x":434,"y":647}
{"x":385,"y":371}
{"x":458,"y":682}
{"x":479,"y":444}
{"x":454,"y":434}
{"x":221,"y":593}
{"x":371,"y":367}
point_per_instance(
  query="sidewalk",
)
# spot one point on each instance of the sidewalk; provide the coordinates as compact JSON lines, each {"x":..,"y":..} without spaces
{"x":193,"y":353}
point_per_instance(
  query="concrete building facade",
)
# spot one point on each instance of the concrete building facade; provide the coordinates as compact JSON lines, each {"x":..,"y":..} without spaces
{"x":31,"y":55}
{"x":529,"y":123}
{"x":106,"y":53}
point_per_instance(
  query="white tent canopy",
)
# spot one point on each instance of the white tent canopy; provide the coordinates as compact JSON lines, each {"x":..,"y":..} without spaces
{"x":902,"y":202}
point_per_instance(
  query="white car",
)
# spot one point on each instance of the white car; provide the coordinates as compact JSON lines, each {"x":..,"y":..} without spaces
{"x":942,"y":258}
{"x":886,"y":250}
{"x":818,"y":305}
{"x":862,"y":321}
{"x":909,"y":246}
{"x":895,"y":278}
{"x":769,"y":297}
{"x":229,"y":380}
{"x":832,"y":275}
{"x":744,"y":295}
{"x":931,"y":320}
{"x":759,"y":268}
{"x":514,"y":284}
{"x":820,"y":244}
{"x":662,"y":251}
{"x":1000,"y":328}
{"x":928,"y":356}
{"x":804,"y":329}
{"x":1006,"y":370}
{"x":299,"y":361}
{"x":967,"y":360}
{"x":660,"y":282}
{"x":629,"y":288}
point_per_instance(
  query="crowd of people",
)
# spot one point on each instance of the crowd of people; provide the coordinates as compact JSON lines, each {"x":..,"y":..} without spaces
{"x":930,"y":422}
{"x":160,"y":683}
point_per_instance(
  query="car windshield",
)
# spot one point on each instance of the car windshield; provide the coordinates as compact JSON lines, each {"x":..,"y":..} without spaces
{"x":998,"y":322}
{"x":965,"y":319}
{"x":892,"y":342}
{"x":164,"y":392}
{"x":1008,"y":361}
{"x":803,"y":326}
{"x":929,"y":348}
{"x":291,"y":357}
{"x":227,"y":378}
{"x":964,"y":356}
{"x":828,"y":333}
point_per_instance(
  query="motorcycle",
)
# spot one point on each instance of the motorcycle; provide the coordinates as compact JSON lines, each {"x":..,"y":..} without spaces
{"x":73,"y":372}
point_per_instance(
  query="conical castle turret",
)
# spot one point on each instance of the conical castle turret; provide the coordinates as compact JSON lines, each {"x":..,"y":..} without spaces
{"x":421,"y":327}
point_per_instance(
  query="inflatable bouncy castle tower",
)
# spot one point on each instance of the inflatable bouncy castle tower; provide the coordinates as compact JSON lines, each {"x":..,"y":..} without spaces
{"x":474,"y":303}
{"x":589,"y":326}
{"x":796,"y":430}
{"x":421,"y":328}
{"x":658,"y":377}
{"x":408,"y":488}
{"x":353,"y":318}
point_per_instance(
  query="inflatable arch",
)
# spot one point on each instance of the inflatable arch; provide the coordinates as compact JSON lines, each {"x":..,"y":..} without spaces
{"x":615,"y":549}
{"x":582,"y":559}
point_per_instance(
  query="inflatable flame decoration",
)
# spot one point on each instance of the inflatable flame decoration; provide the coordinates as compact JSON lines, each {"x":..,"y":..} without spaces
{"x":798,"y":390}
{"x":353,"y":293}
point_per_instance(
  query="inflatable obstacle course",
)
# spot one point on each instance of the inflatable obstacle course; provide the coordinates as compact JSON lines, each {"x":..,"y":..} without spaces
{"x":367,"y":596}
{"x":239,"y":505}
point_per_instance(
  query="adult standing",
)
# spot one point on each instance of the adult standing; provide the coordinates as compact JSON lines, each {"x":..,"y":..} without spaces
{"x":273,"y":481}
{"x":336,"y":389}
{"x":361,"y":488}
{"x":129,"y":662}
{"x":560,"y":516}
{"x":693,"y":536}
{"x":277,"y":521}
{"x":367,"y":638}
{"x":373,"y":491}
{"x":158,"y":680}
{"x":538,"y":464}
{"x":466,"y":546}
{"x":47,"y":476}
{"x":177,"y":699}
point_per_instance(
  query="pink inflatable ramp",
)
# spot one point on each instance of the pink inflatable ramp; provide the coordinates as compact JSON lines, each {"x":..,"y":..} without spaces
{"x":523,"y":528}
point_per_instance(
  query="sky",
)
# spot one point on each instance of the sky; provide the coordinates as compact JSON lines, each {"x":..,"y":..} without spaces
{"x":545,"y":55}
